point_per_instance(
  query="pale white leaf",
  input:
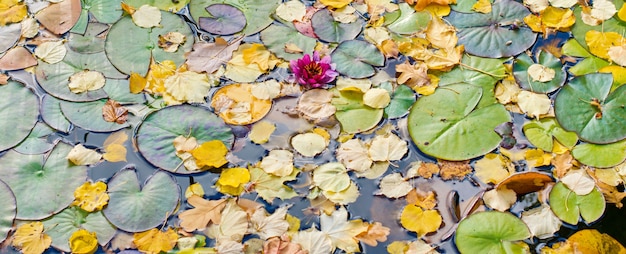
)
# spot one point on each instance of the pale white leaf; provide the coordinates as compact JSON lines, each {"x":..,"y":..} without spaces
{"x":579,"y":182}
{"x":394,"y":186}
{"x":500,"y":199}
{"x":387,"y":148}
{"x":541,"y":221}
{"x":80,"y":155}
{"x":269,"y":226}
{"x":344,"y":197}
{"x":563,"y":3}
{"x":87,"y":80}
{"x":603,"y":9}
{"x":331,"y":176}
{"x":51,"y":51}
{"x":315,"y":104}
{"x":266,"y":90}
{"x":147,"y":16}
{"x":313,"y":241}
{"x":342,"y":232}
{"x":291,"y":11}
{"x":537,"y":6}
{"x":187,"y":86}
{"x":308,"y":144}
{"x":376,"y":98}
{"x":234,"y":225}
{"x":533,"y":104}
{"x":538,"y":72}
{"x":278,"y":162}
{"x":353,"y":154}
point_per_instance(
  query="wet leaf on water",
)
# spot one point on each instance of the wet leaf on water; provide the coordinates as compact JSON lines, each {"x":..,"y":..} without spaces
{"x":492,"y":231}
{"x":61,"y":226}
{"x":569,"y":206}
{"x":256,"y":12}
{"x":203,"y":213}
{"x":16,"y":59}
{"x":31,"y":238}
{"x":224,"y":20}
{"x":155,"y":240}
{"x":60,"y":17}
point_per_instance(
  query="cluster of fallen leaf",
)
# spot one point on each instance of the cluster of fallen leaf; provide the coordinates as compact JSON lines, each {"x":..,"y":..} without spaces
{"x":236,"y":224}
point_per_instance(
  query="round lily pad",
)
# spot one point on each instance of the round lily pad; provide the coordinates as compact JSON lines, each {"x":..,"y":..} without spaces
{"x":277,"y":37}
{"x":542,"y":132}
{"x":105,"y":11}
{"x":409,"y":21}
{"x":119,"y":90}
{"x":586,"y":106}
{"x":88,"y":115}
{"x":492,"y":232}
{"x":18,"y":110}
{"x":52,"y":114}
{"x":134,"y":208}
{"x":61,"y":226}
{"x":172,"y":5}
{"x":600,"y":155}
{"x":54,"y":78}
{"x":352,"y":113}
{"x":257,"y":12}
{"x":224,"y":20}
{"x":8,"y":209}
{"x":356,"y":59}
{"x":522,"y":64}
{"x":130,"y":47}
{"x":450,"y":124}
{"x":497,"y":34}
{"x":156,"y":134}
{"x":91,"y":41}
{"x":43,"y":185}
{"x":579,"y":29}
{"x":401,"y":100}
{"x":568,"y":206}
{"x":330,"y":30}
{"x":37,"y":141}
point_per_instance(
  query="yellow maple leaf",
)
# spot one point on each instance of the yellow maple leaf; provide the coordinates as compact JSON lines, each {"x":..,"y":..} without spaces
{"x":83,"y":242}
{"x":210,"y":154}
{"x":30,"y":238}
{"x":155,"y":241}
{"x":12,"y":11}
{"x":425,"y":200}
{"x":114,"y":150}
{"x":599,"y":43}
{"x":415,"y":219}
{"x":336,"y":3}
{"x":91,"y":196}
{"x":619,"y":74}
{"x":232,"y":181}
{"x":186,"y":86}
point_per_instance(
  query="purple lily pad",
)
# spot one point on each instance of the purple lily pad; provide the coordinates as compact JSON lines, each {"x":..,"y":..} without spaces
{"x":226,"y":20}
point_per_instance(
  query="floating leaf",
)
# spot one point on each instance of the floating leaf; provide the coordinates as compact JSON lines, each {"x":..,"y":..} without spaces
{"x":483,"y":72}
{"x":356,"y":59}
{"x":61,"y":226}
{"x":521,"y":71}
{"x":500,"y":199}
{"x":16,"y":59}
{"x":394,"y":186}
{"x":60,"y":17}
{"x":172,"y":6}
{"x":155,"y":240}
{"x":341,"y":231}
{"x":611,"y":25}
{"x":541,"y":134}
{"x":202,"y":214}
{"x":409,"y":21}
{"x":8,"y":209}
{"x":236,"y":104}
{"x":309,"y":144}
{"x":9,"y":35}
{"x":261,"y":132}
{"x":88,"y":115}
{"x":402,"y":99}
{"x":52,"y":114}
{"x":208,"y":57}
{"x":133,"y":208}
{"x":569,"y":206}
{"x":586,"y":106}
{"x":492,"y":232}
{"x":156,"y":134}
{"x":327,"y":29}
{"x":257,"y":12}
{"x":592,"y":241}
{"x":541,"y":221}
{"x":269,"y":186}
{"x":18,"y":113}
{"x":147,"y":16}
{"x":600,"y":155}
{"x":352,"y":113}
{"x":131,"y":48}
{"x":525,"y":182}
{"x":91,"y":40}
{"x":54,"y":175}
{"x":450,"y":124}
{"x":105,"y":11}
{"x":420,"y":221}
{"x":80,"y":155}
{"x":276,"y":38}
{"x":224,"y":20}
{"x":31,"y":238}
{"x":579,"y":182}
{"x":494,"y":34}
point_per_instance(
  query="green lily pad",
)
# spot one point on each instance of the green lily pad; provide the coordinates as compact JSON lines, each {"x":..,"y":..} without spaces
{"x":579,"y":29}
{"x":18,"y":111}
{"x":36,"y":142}
{"x":133,"y":208}
{"x":330,"y":30}
{"x":61,"y":226}
{"x":8,"y":209}
{"x":568,"y":206}
{"x":464,"y":6}
{"x":156,"y":134}
{"x":276,"y":37}
{"x":541,"y":134}
{"x":52,"y":114}
{"x":89,"y":42}
{"x":171,"y":6}
{"x":119,"y":90}
{"x":401,"y":100}
{"x":492,"y":232}
{"x":43,"y":185}
{"x":356,"y":59}
{"x":224,"y":20}
{"x":585,"y":106}
{"x":477,"y":71}
{"x":9,"y":35}
{"x":520,"y":71}
{"x":409,"y":21}
{"x":600,"y":156}
{"x":352,"y":114}
{"x":257,"y":12}
{"x":130,"y":47}
{"x":88,"y":115}
{"x":450,"y":125}
{"x":494,"y":34}
{"x":591,"y":63}
{"x":54,"y":78}
{"x":105,"y":11}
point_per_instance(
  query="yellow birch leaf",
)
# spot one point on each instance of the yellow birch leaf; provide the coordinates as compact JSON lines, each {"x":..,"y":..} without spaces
{"x":236,"y":104}
{"x":357,"y":85}
{"x":187,"y":86}
{"x":203,"y":213}
{"x":232,"y":181}
{"x":155,"y":241}
{"x":376,"y":98}
{"x":83,"y":242}
{"x":534,"y":22}
{"x":51,"y":51}
{"x":482,"y":6}
{"x":308,"y":144}
{"x":91,"y":196}
{"x":558,"y":148}
{"x":425,"y":200}
{"x":194,"y":189}
{"x":440,"y":34}
{"x":137,"y":83}
{"x":261,"y":132}
{"x":87,"y":80}
{"x":537,"y":157}
{"x":533,"y":104}
{"x":147,"y":16}
{"x":415,"y":219}
{"x":438,"y":10}
{"x":541,"y":73}
{"x":444,"y":59}
{"x":558,"y":18}
{"x":114,"y":149}
{"x":12,"y":11}
{"x":335,"y":3}
{"x":599,"y":42}
{"x":492,"y":168}
{"x":421,"y":4}
{"x":30,"y":238}
{"x":210,"y":154}
{"x":80,"y":155}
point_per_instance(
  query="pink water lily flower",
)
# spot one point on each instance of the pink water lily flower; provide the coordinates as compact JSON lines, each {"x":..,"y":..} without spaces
{"x":313,"y":73}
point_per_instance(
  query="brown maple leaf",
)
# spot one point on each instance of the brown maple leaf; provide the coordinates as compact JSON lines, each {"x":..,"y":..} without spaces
{"x":203,"y":213}
{"x":413,"y":75}
{"x":113,"y":111}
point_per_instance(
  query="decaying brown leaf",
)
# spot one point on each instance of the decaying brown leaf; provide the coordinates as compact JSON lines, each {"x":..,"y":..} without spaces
{"x":113,"y":111}
{"x":428,"y":169}
{"x":16,"y":59}
{"x":413,"y":75}
{"x":454,"y":169}
{"x":425,"y":200}
{"x":60,"y":17}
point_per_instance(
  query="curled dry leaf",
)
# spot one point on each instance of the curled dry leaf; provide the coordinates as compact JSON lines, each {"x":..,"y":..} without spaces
{"x":80,"y":155}
{"x":113,"y":111}
{"x":171,"y":41}
{"x":278,"y":163}
{"x":91,"y":196}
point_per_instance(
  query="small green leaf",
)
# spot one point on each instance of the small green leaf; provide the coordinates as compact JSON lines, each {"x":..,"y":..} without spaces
{"x":353,"y":115}
{"x":409,"y":21}
{"x":601,"y":156}
{"x":276,"y":37}
{"x":541,"y":133}
{"x":61,"y":226}
{"x":356,"y":59}
{"x":492,"y":232}
{"x":523,"y":62}
{"x":568,"y":206}
{"x":401,"y":100}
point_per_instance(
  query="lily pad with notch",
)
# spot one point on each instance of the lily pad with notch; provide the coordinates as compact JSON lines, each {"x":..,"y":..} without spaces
{"x":546,"y":60}
{"x":156,"y":134}
{"x":409,"y":21}
{"x":51,"y":114}
{"x":356,"y":59}
{"x":19,"y":111}
{"x":90,"y":41}
{"x":61,"y":226}
{"x":402,"y":98}
{"x":105,"y":11}
{"x":542,"y":133}
{"x":330,"y":30}
{"x":492,"y":232}
{"x":224,"y":20}
{"x":277,"y":37}
{"x":451,"y":124}
{"x":497,"y":34}
{"x":56,"y":179}
{"x":579,"y":29}
{"x":37,"y":141}
{"x":257,"y":12}
{"x":134,"y":208}
{"x":587,"y":106}
{"x":569,"y":206}
{"x":88,"y":115}
{"x":130,"y":48}
{"x":8,"y":209}
{"x":353,"y":115}
{"x":600,"y":155}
